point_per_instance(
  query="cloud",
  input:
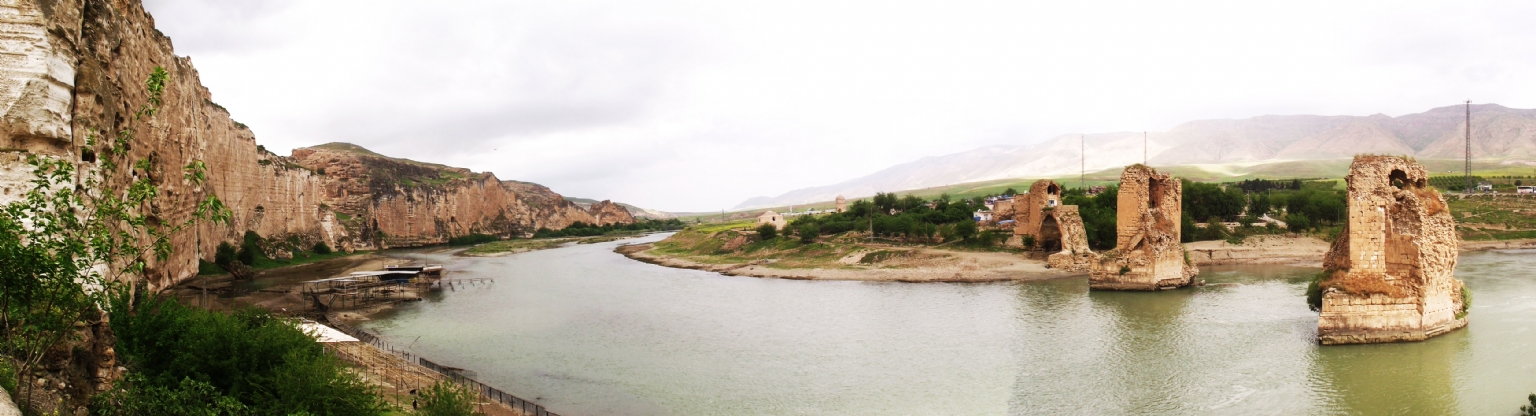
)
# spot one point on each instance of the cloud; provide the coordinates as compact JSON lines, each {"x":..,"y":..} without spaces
{"x":692,"y":106}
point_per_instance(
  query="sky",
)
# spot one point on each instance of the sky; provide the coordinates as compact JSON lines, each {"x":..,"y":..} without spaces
{"x":693,"y":106}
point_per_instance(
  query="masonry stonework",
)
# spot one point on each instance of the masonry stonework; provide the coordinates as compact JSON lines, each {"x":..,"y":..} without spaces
{"x":1388,"y":277}
{"x":1147,"y":253}
{"x":1055,"y":228}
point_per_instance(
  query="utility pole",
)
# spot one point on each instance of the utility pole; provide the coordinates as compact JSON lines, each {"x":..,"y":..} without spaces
{"x":1468,"y":172}
{"x":1143,"y":148}
{"x":1082,"y":180}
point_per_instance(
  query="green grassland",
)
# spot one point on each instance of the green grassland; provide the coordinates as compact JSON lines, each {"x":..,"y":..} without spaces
{"x":1503,"y":217}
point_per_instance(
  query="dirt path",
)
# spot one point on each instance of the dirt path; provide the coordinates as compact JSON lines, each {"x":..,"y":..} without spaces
{"x":910,"y":265}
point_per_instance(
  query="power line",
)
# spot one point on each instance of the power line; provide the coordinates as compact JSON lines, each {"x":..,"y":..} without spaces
{"x":1468,"y":172}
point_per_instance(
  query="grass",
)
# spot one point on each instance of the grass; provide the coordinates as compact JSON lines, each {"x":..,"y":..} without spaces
{"x":1504,"y":217}
{"x":517,"y":245}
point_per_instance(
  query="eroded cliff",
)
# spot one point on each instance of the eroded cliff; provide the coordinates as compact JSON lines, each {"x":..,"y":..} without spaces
{"x":76,"y":72}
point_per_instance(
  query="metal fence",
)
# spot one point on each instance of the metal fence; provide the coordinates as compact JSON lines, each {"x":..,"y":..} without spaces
{"x":488,"y":393}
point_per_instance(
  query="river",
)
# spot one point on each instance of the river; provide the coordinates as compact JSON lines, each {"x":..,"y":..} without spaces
{"x":585,"y":331}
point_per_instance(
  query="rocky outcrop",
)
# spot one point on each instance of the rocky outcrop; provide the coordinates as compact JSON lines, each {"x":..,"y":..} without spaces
{"x":1388,"y":277}
{"x":75,"y":74}
{"x":392,"y":202}
{"x":607,"y":212}
{"x":1147,"y":253}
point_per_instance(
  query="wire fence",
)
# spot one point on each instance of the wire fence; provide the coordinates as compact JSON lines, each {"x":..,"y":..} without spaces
{"x":488,"y":393}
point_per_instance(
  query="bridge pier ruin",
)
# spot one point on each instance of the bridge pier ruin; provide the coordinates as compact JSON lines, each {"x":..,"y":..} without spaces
{"x":1147,"y":253}
{"x":1388,"y":277}
{"x":1056,"y":228}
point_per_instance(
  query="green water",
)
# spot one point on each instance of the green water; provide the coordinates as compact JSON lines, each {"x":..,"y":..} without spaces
{"x":585,"y":331}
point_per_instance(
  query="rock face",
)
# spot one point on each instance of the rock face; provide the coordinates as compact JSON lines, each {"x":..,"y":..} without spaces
{"x":1056,"y":228}
{"x":1388,"y":277}
{"x":607,"y":212}
{"x":1147,"y":253}
{"x":76,"y":71}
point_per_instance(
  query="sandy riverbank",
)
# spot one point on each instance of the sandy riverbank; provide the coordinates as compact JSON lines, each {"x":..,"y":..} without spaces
{"x":1264,"y":249}
{"x":912,"y":265}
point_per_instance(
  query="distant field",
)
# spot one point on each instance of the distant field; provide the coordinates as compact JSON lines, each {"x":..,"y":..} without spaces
{"x":1333,"y":170}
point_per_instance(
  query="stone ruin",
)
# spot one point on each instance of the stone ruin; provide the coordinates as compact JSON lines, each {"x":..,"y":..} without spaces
{"x":841,"y":204}
{"x":1147,"y":253}
{"x":1388,"y":277}
{"x":1056,"y":228}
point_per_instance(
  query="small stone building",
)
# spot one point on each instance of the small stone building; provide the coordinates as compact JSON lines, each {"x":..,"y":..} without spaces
{"x":1388,"y":277}
{"x":1056,"y":228}
{"x":770,"y":217}
{"x":1147,"y":253}
{"x":842,"y":204}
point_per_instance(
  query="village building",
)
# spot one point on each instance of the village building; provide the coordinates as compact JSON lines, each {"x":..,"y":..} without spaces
{"x":1388,"y":276}
{"x":982,"y":215}
{"x":1054,"y":228}
{"x":1147,"y":253}
{"x":770,"y":217}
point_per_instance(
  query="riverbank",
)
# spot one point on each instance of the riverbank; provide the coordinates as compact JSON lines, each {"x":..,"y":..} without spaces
{"x":869,"y":263}
{"x":1304,"y":251}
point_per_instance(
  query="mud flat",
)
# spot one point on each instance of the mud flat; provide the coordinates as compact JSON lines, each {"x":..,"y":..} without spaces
{"x":893,"y":264}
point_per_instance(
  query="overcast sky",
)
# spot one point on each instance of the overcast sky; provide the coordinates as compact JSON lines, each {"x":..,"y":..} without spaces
{"x":695,"y":106}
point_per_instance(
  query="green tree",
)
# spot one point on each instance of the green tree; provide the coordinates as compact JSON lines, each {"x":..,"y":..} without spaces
{"x":446,"y":399}
{"x":224,"y":254}
{"x":321,"y":248}
{"x":767,"y":231}
{"x":67,"y":245}
{"x":808,"y":232}
{"x":965,"y":230}
{"x":1010,"y":192}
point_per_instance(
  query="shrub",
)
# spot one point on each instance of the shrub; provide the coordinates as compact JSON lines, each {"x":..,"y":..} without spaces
{"x":133,"y":396}
{"x":1027,"y":241}
{"x":1529,"y":410}
{"x":321,"y":248}
{"x":767,"y":231}
{"x":808,"y":232}
{"x":965,"y":230}
{"x":249,"y":355}
{"x":446,"y":399}
{"x":1315,"y":292}
{"x":1124,"y":270}
{"x":224,"y":254}
{"x":1466,"y":302}
{"x":476,"y":238}
{"x":246,"y":256}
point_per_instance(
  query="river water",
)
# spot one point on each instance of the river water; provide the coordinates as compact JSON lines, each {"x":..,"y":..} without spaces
{"x":584,"y":331}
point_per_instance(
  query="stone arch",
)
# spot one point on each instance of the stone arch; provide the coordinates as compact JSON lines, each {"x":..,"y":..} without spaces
{"x":1053,"y":189}
{"x":1050,"y":234}
{"x":1398,"y":178}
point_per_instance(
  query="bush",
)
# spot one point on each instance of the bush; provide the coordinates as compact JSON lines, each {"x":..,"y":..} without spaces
{"x":808,"y":232}
{"x":472,"y":239}
{"x":767,"y":231}
{"x":965,"y":230}
{"x":1529,"y":410}
{"x":446,"y":399}
{"x":7,"y":375}
{"x":1315,"y":292}
{"x":321,"y":248}
{"x":1028,"y":241}
{"x":134,"y":396}
{"x":1466,"y":302}
{"x":224,"y":254}
{"x":249,"y":355}
{"x":246,"y":256}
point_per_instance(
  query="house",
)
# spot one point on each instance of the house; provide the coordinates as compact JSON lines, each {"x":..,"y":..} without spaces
{"x":982,"y":216}
{"x":770,"y":217}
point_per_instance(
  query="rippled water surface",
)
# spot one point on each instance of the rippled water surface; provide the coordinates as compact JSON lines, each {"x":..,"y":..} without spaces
{"x":585,"y":331}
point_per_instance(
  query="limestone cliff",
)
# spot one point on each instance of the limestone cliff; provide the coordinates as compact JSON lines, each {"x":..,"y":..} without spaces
{"x":76,"y":70}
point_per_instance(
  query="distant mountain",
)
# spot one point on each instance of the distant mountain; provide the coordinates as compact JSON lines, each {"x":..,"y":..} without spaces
{"x":634,"y":210}
{"x":1498,"y":132}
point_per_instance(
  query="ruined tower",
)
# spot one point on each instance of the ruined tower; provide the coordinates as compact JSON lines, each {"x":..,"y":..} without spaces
{"x":1056,"y":228}
{"x":1147,"y":253}
{"x":841,"y":204}
{"x":1388,"y":277}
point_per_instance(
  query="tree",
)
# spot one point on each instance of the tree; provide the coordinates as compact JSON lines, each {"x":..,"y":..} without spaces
{"x":224,"y":254}
{"x":808,"y":232}
{"x":767,"y":231}
{"x":68,"y":245}
{"x":1258,"y":205}
{"x":965,"y":230}
{"x":1010,"y":192}
{"x":446,"y":399}
{"x":321,"y":248}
